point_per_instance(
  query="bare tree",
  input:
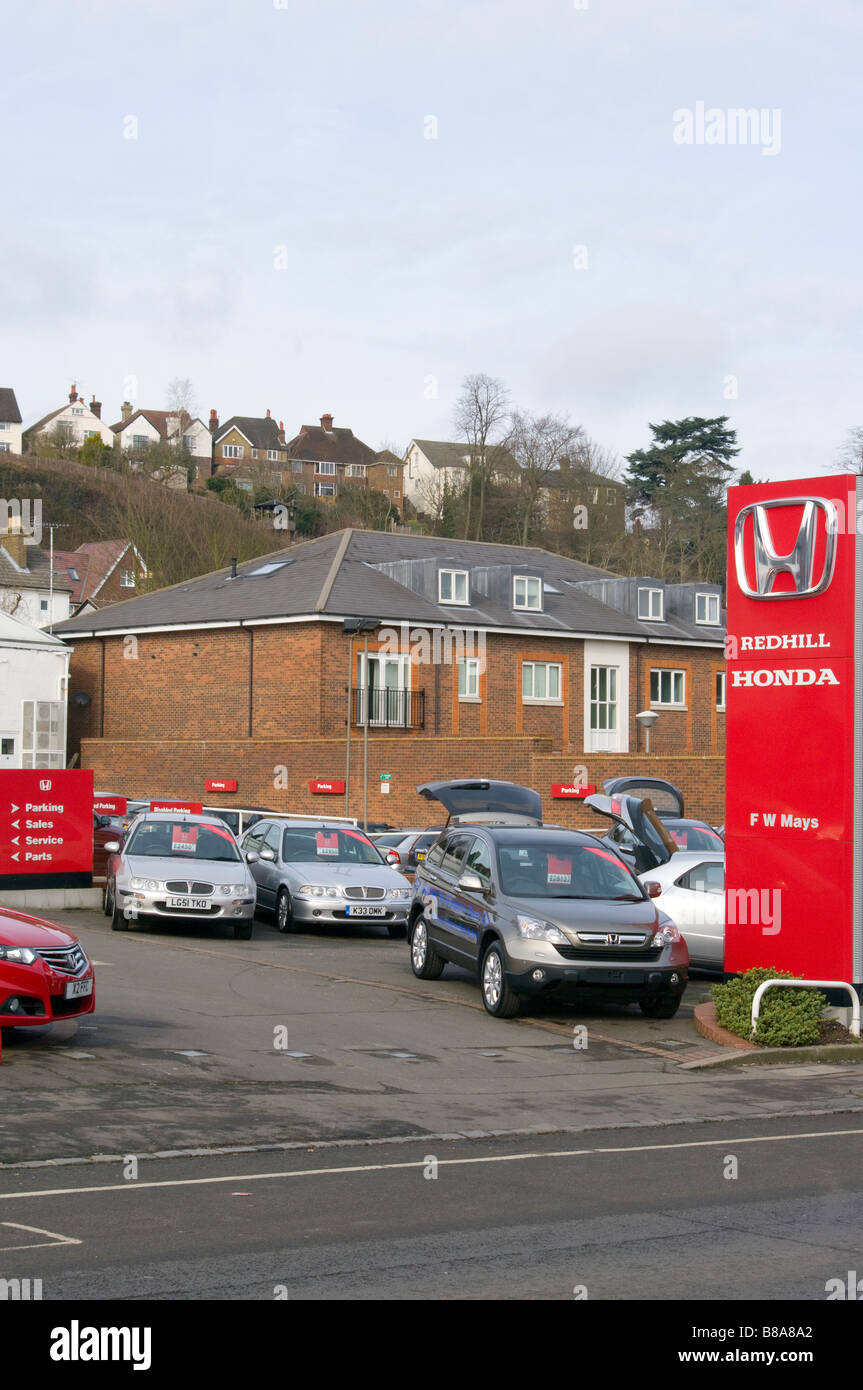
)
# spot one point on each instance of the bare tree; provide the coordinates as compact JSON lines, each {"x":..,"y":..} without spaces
{"x":481,"y":417}
{"x":851,"y":452}
{"x":181,"y":400}
{"x":540,"y":444}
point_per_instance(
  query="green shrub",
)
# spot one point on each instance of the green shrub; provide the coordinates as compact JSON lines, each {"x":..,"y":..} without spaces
{"x":788,"y":1017}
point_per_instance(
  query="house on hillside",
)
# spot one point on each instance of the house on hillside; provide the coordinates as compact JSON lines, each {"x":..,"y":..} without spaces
{"x":433,"y":467}
{"x":101,"y":572}
{"x":249,"y":449}
{"x":34,"y":680}
{"x":10,"y":422}
{"x":386,"y":475}
{"x":478,"y":660}
{"x":71,"y":423}
{"x":29,"y":590}
{"x":324,"y":457}
{"x":138,"y":431}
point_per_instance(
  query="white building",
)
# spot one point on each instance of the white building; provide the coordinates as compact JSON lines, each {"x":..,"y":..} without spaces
{"x":29,"y":591}
{"x":76,"y":421}
{"x":139,"y":430}
{"x":10,"y":422}
{"x":34,"y":681}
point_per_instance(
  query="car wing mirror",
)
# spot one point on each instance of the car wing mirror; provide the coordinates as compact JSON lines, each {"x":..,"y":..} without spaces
{"x":252,"y":856}
{"x":268,"y":855}
{"x":112,"y":847}
{"x":471,"y":883}
{"x":654,"y":889}
{"x":392,"y":857}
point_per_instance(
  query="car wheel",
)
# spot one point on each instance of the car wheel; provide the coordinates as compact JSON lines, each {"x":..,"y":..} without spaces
{"x":425,"y":961}
{"x":242,"y":931}
{"x":107,"y":905}
{"x":499,"y":999}
{"x":397,"y":930}
{"x":118,"y":921}
{"x":663,"y":1006}
{"x":284,"y":911}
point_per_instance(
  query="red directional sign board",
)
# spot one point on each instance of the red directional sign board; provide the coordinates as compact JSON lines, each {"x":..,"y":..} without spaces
{"x":181,"y":808}
{"x":327,"y":788}
{"x":110,"y":805}
{"x":576,"y":790}
{"x":46,"y":821}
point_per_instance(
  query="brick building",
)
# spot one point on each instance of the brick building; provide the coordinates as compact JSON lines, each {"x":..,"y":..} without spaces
{"x":325,"y":457}
{"x":481,"y":660}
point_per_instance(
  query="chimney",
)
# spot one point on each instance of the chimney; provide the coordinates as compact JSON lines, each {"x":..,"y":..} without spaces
{"x":125,"y":411}
{"x":268,"y":412}
{"x":281,"y":431}
{"x":96,"y":407}
{"x":214,"y":421}
{"x":13,"y":543}
{"x":327,"y":422}
{"x":73,"y":394}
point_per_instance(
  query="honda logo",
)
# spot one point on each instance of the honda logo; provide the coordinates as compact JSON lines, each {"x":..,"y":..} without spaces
{"x":612,"y":939}
{"x":799,"y":562}
{"x":45,"y":784}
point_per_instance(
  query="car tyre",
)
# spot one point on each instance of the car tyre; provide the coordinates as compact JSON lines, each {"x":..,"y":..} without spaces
{"x":500,"y":1000}
{"x":284,"y":911}
{"x":425,"y":961}
{"x":118,"y":921}
{"x":243,"y":931}
{"x":663,"y":1006}
{"x":107,"y":905}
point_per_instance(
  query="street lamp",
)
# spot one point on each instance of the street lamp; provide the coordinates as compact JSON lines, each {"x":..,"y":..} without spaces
{"x":349,"y":627}
{"x":647,"y":718}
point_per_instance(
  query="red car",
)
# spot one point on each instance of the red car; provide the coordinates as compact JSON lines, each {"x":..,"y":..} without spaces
{"x":45,"y":974}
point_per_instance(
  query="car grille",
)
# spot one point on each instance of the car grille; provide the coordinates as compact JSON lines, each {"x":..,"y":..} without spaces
{"x":180,"y":886}
{"x":66,"y":960}
{"x":357,"y":890}
{"x":613,"y":953}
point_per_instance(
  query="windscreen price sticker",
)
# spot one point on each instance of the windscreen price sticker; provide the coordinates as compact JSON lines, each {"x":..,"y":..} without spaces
{"x":46,"y":821}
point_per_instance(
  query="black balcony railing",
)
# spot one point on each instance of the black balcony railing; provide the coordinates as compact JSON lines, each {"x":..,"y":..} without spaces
{"x":389,"y":709}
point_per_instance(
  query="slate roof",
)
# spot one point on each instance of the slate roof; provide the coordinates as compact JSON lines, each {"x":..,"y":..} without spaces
{"x":361,"y":573}
{"x":15,"y":633}
{"x":37,"y":575}
{"x":262,"y":432}
{"x":9,"y":412}
{"x":446,"y":454}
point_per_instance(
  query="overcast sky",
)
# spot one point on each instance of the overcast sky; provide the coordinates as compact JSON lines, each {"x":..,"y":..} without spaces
{"x":283,"y":232}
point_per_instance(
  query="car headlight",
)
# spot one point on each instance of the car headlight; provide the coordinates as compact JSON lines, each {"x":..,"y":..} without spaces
{"x":535,"y":929}
{"x":149,"y":885}
{"x":400,"y":892}
{"x":319,"y":890}
{"x":229,"y":888}
{"x":665,"y":935}
{"x":19,"y":955}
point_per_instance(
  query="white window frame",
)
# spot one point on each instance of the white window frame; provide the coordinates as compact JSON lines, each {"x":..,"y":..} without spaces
{"x":54,"y":754}
{"x":325,"y":489}
{"x":719,"y":681}
{"x":140,"y":441}
{"x":468,"y":680}
{"x":523,"y":582}
{"x":327,"y":470}
{"x":296,"y":465}
{"x":650,"y":616}
{"x":711,"y":603}
{"x":547,"y":666}
{"x":604,"y":738}
{"x":127,"y":579}
{"x":233,"y":451}
{"x":272,"y":454}
{"x":453,"y":576}
{"x":355,"y":470}
{"x":668,"y":673}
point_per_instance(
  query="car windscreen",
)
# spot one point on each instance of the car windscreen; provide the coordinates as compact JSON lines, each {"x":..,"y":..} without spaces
{"x":182,"y":840}
{"x":327,"y":846}
{"x":555,"y":869}
{"x":697,"y":837}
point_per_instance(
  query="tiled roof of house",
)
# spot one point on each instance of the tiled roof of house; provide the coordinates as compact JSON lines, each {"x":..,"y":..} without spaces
{"x":9,"y":412}
{"x":262,"y":432}
{"x":37,"y":575}
{"x":443,"y":454}
{"x":392,"y":577}
{"x":335,"y":445}
{"x":92,"y":563}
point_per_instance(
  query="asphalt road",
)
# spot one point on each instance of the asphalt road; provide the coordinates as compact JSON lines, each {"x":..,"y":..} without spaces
{"x":200,"y":1041}
{"x":723,"y":1211}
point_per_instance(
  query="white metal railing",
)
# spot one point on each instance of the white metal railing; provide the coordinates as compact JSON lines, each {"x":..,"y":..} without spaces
{"x":810,"y":984}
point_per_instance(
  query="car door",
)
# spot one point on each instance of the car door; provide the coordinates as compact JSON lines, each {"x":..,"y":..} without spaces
{"x":440,"y":873}
{"x":696,"y":904}
{"x":252,"y":842}
{"x":457,"y":912}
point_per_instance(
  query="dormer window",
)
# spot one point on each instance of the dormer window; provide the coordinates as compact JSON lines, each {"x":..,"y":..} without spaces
{"x":650,"y":605}
{"x":527,"y":592}
{"x":707,"y":609}
{"x":453,"y":586}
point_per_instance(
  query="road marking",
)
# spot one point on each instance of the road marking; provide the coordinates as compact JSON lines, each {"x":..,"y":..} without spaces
{"x":421,"y":1163}
{"x":37,"y":1231}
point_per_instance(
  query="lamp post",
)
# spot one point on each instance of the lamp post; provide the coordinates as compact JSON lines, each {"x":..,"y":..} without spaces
{"x":349,"y":627}
{"x":647,"y":718}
